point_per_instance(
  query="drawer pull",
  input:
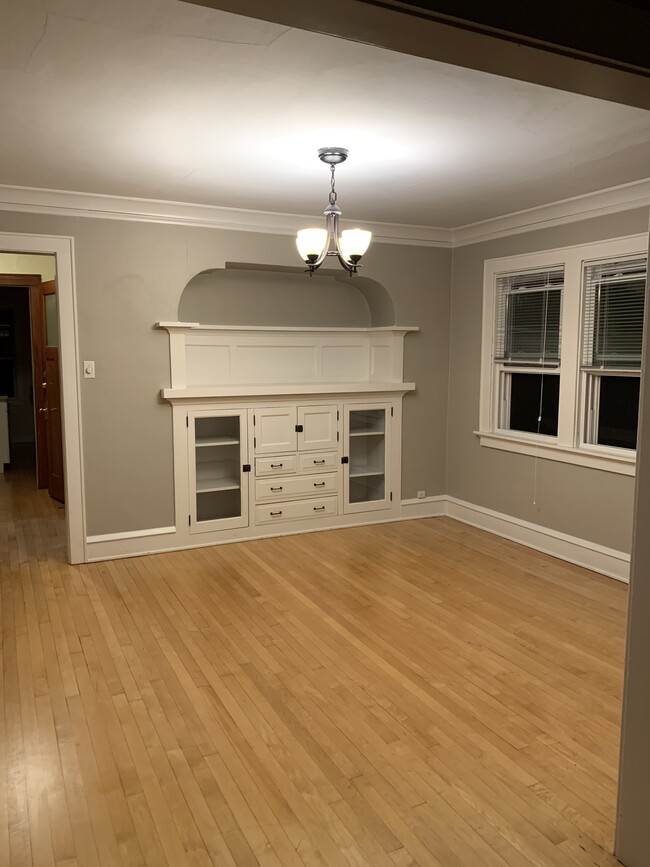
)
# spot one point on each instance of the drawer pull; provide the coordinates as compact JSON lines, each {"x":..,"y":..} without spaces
{"x":318,"y":485}
{"x":276,"y":466}
{"x":319,"y":508}
{"x":320,"y":462}
{"x":277,"y":489}
{"x":275,"y":514}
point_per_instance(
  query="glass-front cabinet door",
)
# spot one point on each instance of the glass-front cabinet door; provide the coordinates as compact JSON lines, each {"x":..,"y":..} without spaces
{"x":218,"y":454}
{"x":367,"y":471}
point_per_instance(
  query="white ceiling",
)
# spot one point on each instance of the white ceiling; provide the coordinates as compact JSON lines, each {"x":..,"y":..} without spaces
{"x":164,"y":100}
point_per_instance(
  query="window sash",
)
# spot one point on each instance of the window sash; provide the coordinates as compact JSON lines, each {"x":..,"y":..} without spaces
{"x":503,"y":411}
{"x":593,"y":380}
{"x":528,"y":317}
{"x":613,"y":313}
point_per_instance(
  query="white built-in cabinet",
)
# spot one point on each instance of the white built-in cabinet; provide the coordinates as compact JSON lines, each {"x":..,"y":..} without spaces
{"x":255,"y":456}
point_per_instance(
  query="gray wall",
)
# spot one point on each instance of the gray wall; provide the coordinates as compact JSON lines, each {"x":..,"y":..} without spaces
{"x":130,"y":275}
{"x":590,"y":504}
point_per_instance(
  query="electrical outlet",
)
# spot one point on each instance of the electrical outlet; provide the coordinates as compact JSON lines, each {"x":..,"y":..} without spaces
{"x":421,"y":495}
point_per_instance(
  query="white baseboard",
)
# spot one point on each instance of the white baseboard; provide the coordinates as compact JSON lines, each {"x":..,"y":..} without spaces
{"x":607,"y":561}
{"x":130,"y":544}
{"x":162,"y":540}
{"x":426,"y":507}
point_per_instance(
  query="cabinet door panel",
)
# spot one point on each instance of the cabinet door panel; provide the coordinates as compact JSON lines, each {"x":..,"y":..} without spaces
{"x":275,"y":430}
{"x":319,"y":427}
{"x":217,"y":446}
{"x":367,"y":447}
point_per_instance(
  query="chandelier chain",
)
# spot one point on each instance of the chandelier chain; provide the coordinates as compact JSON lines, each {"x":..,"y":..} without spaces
{"x":332,"y":196}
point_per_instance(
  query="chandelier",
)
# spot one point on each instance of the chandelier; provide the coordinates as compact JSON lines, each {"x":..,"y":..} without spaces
{"x":315,"y":244}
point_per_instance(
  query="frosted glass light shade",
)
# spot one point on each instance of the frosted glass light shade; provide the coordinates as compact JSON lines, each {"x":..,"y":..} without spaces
{"x":354,"y":243}
{"x":311,"y":243}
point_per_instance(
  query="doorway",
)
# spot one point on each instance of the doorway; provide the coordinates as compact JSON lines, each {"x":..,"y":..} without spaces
{"x":45,"y":412}
{"x":29,"y":373}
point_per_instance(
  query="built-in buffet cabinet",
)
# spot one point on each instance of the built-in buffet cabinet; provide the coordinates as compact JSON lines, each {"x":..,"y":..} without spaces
{"x":261,"y":449}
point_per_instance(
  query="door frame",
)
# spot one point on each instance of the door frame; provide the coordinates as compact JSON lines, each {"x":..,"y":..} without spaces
{"x":62,"y":248}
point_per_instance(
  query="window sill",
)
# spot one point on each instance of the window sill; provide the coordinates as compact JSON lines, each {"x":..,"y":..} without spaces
{"x":583,"y":457}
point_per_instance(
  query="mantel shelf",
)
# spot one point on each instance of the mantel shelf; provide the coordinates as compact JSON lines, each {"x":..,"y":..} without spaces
{"x":279,"y":329}
{"x":300,"y":388}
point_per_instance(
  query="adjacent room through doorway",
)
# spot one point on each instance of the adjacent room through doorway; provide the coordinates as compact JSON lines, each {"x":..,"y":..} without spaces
{"x":31,"y":444}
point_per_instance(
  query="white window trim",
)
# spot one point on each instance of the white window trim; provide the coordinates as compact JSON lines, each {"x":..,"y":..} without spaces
{"x":568,"y":446}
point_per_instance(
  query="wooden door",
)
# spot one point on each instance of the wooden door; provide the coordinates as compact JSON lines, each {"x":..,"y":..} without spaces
{"x":51,"y":386}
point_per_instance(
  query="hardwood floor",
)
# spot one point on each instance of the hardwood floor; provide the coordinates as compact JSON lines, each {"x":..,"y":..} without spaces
{"x":418,"y":693}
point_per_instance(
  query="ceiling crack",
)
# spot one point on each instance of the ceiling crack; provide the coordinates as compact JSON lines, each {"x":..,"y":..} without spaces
{"x":111,"y":26}
{"x":46,"y":21}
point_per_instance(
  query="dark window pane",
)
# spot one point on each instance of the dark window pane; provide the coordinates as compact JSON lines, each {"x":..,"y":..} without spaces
{"x":619,"y":411}
{"x":534,"y":401}
{"x":533,"y":326}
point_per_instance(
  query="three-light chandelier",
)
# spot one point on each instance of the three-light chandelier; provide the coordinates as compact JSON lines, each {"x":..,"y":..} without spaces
{"x":314,"y":245}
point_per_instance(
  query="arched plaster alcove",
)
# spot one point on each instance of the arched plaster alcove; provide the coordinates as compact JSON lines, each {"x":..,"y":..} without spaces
{"x":249,"y":295}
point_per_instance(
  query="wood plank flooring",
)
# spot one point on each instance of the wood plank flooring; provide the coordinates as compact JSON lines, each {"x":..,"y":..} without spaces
{"x":418,"y":693}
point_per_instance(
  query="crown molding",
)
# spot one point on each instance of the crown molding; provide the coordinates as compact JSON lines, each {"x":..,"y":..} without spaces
{"x":64,"y":203}
{"x":598,"y":204}
{"x":73,"y":204}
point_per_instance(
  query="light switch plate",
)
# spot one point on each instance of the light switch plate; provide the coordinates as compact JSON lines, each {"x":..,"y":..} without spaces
{"x":89,"y":369}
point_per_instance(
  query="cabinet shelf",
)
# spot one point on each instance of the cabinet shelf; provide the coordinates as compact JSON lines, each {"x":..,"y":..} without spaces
{"x":367,"y":433}
{"x":204,"y":486}
{"x":202,"y":442}
{"x":367,"y":471}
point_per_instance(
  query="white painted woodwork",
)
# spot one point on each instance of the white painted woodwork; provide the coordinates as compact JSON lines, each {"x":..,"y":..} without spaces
{"x":367,"y":473}
{"x":293,"y":435}
{"x":317,"y":462}
{"x":319,"y":427}
{"x":275,"y":430}
{"x":227,"y":357}
{"x":276,"y":466}
{"x":217,"y":442}
{"x":305,"y":509}
{"x":293,"y":487}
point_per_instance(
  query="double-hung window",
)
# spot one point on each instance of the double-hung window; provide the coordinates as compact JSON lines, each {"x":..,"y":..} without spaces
{"x":561,"y":353}
{"x":527,"y":341}
{"x":612,"y":341}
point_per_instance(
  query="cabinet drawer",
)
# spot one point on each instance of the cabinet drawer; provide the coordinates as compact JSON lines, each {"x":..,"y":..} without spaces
{"x":278,"y":466}
{"x":295,"y":486}
{"x":317,"y":462}
{"x":291,"y":511}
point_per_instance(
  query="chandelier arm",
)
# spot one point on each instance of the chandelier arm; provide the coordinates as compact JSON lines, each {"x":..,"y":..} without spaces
{"x":348,"y":265}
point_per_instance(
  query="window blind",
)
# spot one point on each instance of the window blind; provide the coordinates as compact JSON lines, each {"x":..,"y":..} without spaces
{"x":613,"y":311}
{"x":528,"y":317}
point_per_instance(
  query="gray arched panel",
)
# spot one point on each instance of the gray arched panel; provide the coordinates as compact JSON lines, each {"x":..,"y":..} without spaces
{"x":248,"y":295}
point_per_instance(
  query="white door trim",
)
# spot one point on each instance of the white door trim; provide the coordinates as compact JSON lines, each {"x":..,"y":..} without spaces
{"x":63,"y":248}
